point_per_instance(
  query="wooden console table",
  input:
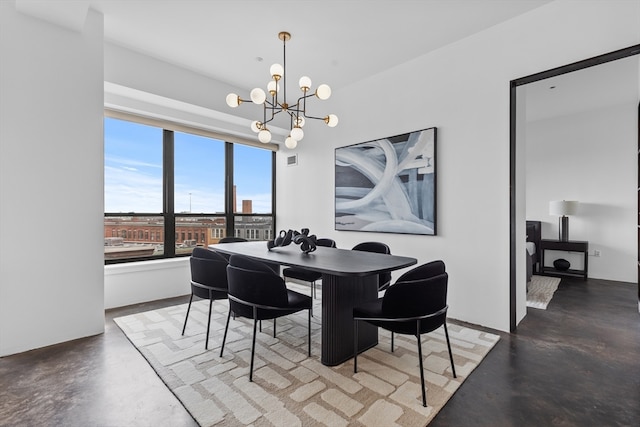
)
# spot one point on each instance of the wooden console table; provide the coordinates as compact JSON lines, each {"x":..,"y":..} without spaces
{"x":569,"y":246}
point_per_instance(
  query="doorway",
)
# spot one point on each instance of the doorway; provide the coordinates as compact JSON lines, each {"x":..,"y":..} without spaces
{"x":514,"y":159}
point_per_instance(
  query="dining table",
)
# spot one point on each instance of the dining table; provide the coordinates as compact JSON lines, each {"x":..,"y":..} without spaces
{"x":349,"y":278}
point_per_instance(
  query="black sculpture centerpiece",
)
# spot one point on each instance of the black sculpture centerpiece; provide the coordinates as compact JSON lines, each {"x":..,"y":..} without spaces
{"x":307,"y":243}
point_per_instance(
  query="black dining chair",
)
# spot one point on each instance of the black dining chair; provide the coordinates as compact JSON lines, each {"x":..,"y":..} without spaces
{"x":415,"y":304}
{"x":256,"y":292}
{"x":308,"y":275}
{"x":208,"y":281}
{"x":231,"y":239}
{"x":384,"y":279}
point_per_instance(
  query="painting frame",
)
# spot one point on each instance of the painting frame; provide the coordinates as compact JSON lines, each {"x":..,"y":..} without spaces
{"x":388,"y":185}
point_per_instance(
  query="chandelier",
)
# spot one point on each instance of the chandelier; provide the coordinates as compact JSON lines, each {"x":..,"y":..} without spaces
{"x":277,"y":103}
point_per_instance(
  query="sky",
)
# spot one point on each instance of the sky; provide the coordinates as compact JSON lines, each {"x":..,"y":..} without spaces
{"x":133,"y":171}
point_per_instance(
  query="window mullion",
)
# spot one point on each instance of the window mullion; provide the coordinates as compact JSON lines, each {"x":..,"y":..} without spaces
{"x":229,"y":193}
{"x":168,"y":194}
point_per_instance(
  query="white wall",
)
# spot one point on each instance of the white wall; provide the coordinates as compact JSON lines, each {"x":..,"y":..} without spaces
{"x":51,"y":181}
{"x":137,"y":282}
{"x":589,"y":157}
{"x":463,"y":89}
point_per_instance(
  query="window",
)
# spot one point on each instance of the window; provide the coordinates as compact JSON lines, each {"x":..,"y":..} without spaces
{"x":199,"y":174}
{"x":166,"y":191}
{"x":252,"y":178}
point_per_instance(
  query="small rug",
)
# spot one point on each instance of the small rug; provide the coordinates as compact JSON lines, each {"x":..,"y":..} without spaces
{"x":289,"y":388}
{"x":541,"y":290}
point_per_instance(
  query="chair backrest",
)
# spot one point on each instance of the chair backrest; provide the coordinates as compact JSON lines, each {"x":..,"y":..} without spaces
{"x":231,"y":239}
{"x":378,"y":247}
{"x":199,"y":252}
{"x":382,"y":248}
{"x":209,"y":277}
{"x":256,"y":283}
{"x":427,"y":270}
{"x":414,"y":298}
{"x":329,"y":243}
{"x":275,"y":267}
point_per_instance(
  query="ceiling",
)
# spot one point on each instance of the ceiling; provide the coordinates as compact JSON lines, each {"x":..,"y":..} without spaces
{"x":337,"y":42}
{"x":605,"y":85}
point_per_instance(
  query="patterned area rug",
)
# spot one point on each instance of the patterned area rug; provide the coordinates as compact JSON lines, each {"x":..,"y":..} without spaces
{"x":541,"y":290}
{"x":289,"y":388}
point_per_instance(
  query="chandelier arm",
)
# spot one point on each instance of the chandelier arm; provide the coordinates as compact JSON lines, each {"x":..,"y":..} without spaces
{"x":312,"y":117}
{"x":303,"y":98}
{"x":291,"y":118}
{"x":264,"y":115}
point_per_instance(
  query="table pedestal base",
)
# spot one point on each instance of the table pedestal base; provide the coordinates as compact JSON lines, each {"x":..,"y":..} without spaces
{"x":339,"y":295}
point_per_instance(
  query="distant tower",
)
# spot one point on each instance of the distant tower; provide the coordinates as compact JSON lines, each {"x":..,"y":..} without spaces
{"x":247,"y":207}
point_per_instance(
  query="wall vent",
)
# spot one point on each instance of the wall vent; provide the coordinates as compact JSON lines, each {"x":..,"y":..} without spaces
{"x":292,"y":160}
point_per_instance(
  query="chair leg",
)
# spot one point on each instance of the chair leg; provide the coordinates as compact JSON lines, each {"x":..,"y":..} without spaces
{"x":206,"y":343}
{"x":187,"y":316}
{"x":274,"y":328}
{"x":355,"y":346}
{"x":391,"y":341}
{"x":309,"y":333}
{"x":226,"y":328}
{"x":253,"y":344}
{"x":424,"y":393}
{"x":446,"y":334}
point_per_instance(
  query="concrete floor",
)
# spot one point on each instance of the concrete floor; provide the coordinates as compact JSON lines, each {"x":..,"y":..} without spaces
{"x":575,"y":364}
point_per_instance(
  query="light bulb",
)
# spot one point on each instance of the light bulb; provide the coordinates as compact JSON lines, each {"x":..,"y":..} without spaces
{"x":233,"y":100}
{"x":299,"y":122}
{"x":264,"y":136}
{"x":297,"y":133}
{"x":331,"y":120}
{"x":323,"y":92}
{"x":290,"y":143}
{"x":255,"y":126}
{"x":276,"y":71}
{"x":258,"y":96}
{"x":273,"y":87}
{"x":304,"y":83}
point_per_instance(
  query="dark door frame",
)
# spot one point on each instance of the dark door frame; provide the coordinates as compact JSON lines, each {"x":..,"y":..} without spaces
{"x":597,"y":60}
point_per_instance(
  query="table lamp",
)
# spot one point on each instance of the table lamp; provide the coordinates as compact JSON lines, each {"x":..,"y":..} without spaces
{"x":563,"y":208}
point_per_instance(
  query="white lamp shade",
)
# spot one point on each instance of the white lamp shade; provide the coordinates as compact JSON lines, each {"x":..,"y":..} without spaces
{"x":273,"y":87}
{"x":290,"y":143}
{"x":563,"y":207}
{"x":233,"y":100}
{"x":276,"y":70}
{"x":323,"y":92}
{"x":264,"y":136}
{"x":297,"y":133}
{"x":258,"y":96}
{"x":304,"y":83}
{"x":331,"y":120}
{"x":256,"y":126}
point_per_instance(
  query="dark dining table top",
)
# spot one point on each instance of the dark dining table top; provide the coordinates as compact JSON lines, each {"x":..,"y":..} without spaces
{"x":334,"y":261}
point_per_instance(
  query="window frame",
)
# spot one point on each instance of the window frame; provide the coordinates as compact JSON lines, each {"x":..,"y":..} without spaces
{"x":168,"y":214}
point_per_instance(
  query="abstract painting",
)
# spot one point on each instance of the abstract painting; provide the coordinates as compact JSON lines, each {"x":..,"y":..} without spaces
{"x":387,"y":185}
